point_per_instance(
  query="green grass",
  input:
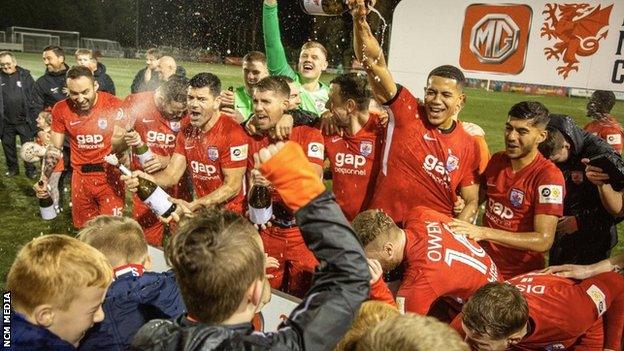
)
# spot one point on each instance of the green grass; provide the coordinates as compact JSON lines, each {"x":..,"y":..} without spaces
{"x":19,"y":209}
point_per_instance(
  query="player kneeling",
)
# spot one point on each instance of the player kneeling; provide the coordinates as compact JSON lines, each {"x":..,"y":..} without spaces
{"x":436,"y":262}
{"x":546,"y":312}
{"x":57,"y":285}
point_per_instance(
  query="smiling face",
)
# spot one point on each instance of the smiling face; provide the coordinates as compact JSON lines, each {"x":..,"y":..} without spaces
{"x":269,"y":106}
{"x":72,"y":324}
{"x":82,"y":92}
{"x":312,"y":62}
{"x":522,"y":137}
{"x":52,"y":62}
{"x":8,"y":64}
{"x":443,"y":100}
{"x":202,"y":105}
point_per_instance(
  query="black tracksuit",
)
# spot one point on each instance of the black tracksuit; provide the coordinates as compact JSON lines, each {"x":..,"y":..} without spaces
{"x":16,"y":117}
{"x":104,"y":80}
{"x":596,"y":233}
{"x":318,"y":323}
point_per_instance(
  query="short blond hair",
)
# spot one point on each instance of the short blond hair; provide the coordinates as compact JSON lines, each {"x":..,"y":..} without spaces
{"x":369,"y":315}
{"x":372,"y":224}
{"x":54,"y":269}
{"x":411,"y":332}
{"x":81,"y":52}
{"x":314,"y":44}
{"x":120,"y":239}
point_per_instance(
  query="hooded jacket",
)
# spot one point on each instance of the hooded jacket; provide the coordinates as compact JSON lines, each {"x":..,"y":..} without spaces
{"x":48,"y":90}
{"x":318,"y":323}
{"x":596,"y":227}
{"x":27,"y":84}
{"x":104,"y":80}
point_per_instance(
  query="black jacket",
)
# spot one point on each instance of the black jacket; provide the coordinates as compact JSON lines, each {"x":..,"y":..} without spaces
{"x":48,"y":90}
{"x":104,"y":80}
{"x":27,"y":83}
{"x":139,"y":85}
{"x":596,"y":225}
{"x":318,"y":323}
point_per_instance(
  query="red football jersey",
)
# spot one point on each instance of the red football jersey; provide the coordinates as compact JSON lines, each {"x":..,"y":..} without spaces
{"x":566,"y":314}
{"x":354,"y":165}
{"x":438,"y":263}
{"x":421,"y":165}
{"x":224,"y":146}
{"x":513,"y":200}
{"x":89,"y":133}
{"x":608,"y":129}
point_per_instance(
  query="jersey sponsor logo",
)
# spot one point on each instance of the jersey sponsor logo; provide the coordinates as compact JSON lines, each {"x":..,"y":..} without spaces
{"x":500,"y":210}
{"x":598,"y":297}
{"x":102,"y":123}
{"x":213,"y":153}
{"x":343,"y":159}
{"x":550,"y":194}
{"x":203,"y":169}
{"x":90,"y":141}
{"x":158,"y":137}
{"x":516,"y":197}
{"x":614,"y":139}
{"x":527,"y":286}
{"x":437,"y":170}
{"x":239,"y":153}
{"x":366,"y":148}
{"x":316,"y":150}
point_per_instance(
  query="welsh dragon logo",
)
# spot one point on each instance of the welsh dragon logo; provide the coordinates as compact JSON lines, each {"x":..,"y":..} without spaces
{"x":578,"y":29}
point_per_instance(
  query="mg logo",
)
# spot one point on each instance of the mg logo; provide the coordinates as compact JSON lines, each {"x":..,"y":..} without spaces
{"x":494,"y":38}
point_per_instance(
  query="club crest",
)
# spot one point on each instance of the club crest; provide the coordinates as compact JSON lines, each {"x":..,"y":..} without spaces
{"x":213,"y":153}
{"x":516,"y":197}
{"x":366,"y":148}
{"x":102,"y":123}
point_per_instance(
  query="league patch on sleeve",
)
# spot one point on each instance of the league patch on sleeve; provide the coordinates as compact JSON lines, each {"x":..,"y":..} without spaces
{"x":550,"y":194}
{"x":599,"y":299}
{"x":316,"y":150}
{"x":400,"y":301}
{"x":239,"y":153}
{"x":614,"y":139}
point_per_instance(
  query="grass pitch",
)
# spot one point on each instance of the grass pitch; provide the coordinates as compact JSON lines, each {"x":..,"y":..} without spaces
{"x":19,"y":213}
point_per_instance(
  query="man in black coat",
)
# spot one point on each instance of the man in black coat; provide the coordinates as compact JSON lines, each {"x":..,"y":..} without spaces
{"x":84,"y":57}
{"x":16,"y":86}
{"x":586,"y":233}
{"x":147,"y":78}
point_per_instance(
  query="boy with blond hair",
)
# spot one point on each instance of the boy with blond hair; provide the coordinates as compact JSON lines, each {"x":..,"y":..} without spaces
{"x":57,"y":287}
{"x":135,"y":297}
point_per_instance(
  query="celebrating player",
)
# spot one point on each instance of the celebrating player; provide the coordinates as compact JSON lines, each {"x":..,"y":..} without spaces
{"x":212,"y":146}
{"x":283,"y":239}
{"x":354,"y":156}
{"x":90,"y":119}
{"x":157,"y":117}
{"x":436,"y":262}
{"x":546,"y":312}
{"x":426,"y":153}
{"x":524,"y":193}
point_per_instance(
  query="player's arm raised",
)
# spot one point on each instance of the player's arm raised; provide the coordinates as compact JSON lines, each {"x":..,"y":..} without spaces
{"x":370,"y":53}
{"x":232,"y":184}
{"x":539,"y":240}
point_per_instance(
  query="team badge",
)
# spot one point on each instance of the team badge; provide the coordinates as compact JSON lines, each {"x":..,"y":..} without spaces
{"x":175,"y":126}
{"x":577,"y":177}
{"x":452,"y":162}
{"x":102,"y":123}
{"x":213,"y":153}
{"x":516,"y":197}
{"x":366,"y":148}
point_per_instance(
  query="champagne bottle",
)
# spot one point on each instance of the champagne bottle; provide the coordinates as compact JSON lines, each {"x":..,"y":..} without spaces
{"x":325,"y":7}
{"x":143,"y":153}
{"x":230,"y":88}
{"x":260,"y":205}
{"x":151,"y":194}
{"x":46,"y":206}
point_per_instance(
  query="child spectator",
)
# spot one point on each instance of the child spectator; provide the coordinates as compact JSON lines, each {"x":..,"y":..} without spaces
{"x":369,"y":315}
{"x":44,"y":123}
{"x":57,"y":286}
{"x":135,"y":297}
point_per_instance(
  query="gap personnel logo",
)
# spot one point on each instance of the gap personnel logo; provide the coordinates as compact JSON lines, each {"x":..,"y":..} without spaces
{"x":494,"y":38}
{"x":577,"y":29}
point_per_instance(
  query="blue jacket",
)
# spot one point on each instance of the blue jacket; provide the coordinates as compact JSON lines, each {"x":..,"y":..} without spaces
{"x":131,"y":301}
{"x":29,"y":337}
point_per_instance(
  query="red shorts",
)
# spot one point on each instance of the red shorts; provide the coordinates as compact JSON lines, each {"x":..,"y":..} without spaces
{"x":297,"y":263}
{"x":94,"y":194}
